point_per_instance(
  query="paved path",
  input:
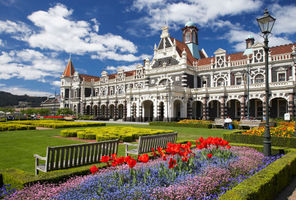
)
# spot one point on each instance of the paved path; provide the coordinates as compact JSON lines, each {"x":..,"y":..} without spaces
{"x":115,"y":122}
{"x":289,"y":193}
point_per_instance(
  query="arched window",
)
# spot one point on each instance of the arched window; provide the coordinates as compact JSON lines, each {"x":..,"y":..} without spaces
{"x":187,"y":37}
{"x":220,"y":82}
{"x":259,"y":78}
{"x":194,"y":37}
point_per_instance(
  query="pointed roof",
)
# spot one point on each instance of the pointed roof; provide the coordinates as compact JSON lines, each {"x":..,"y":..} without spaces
{"x":69,"y":70}
{"x":180,"y":46}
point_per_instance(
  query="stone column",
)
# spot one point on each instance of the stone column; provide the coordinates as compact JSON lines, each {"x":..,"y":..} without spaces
{"x":189,"y":109}
{"x":223,"y":110}
{"x":291,"y":105}
{"x":99,"y":110}
{"x":205,"y":111}
{"x":107,"y":111}
{"x":83,"y":109}
{"x":115,"y":110}
{"x":91,"y":108}
{"x":125,"y":111}
{"x":243,"y":107}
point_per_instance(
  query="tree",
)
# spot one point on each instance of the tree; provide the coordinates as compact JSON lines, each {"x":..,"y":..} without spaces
{"x":65,"y":111}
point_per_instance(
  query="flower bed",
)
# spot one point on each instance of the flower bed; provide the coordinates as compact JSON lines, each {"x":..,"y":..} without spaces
{"x":126,"y":134}
{"x":179,"y":173}
{"x":54,"y":123}
{"x":283,"y":129}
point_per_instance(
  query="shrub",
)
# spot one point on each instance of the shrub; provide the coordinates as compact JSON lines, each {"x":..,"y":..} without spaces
{"x":126,"y":134}
{"x":238,"y":137}
{"x":184,"y":123}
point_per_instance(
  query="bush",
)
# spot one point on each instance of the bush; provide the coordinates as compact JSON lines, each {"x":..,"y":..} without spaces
{"x":69,"y":133}
{"x":206,"y":124}
{"x":238,"y":137}
{"x":126,"y":134}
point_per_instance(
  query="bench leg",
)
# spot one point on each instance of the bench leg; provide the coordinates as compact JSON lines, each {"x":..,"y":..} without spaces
{"x":126,"y":149}
{"x":36,"y":164}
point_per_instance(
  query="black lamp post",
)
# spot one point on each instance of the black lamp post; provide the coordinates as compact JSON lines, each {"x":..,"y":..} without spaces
{"x":293,"y":56}
{"x":266,"y":23}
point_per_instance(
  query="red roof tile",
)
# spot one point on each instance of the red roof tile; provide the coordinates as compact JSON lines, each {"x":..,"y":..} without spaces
{"x":180,"y":47}
{"x":69,"y":70}
{"x":88,"y":78}
{"x":130,"y":73}
{"x":287,"y":48}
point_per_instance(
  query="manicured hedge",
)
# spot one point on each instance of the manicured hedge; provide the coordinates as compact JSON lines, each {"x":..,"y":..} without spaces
{"x":237,"y":137}
{"x":56,"y":123}
{"x":267,"y":183}
{"x":14,"y":127}
{"x":126,"y":134}
{"x":176,"y":124}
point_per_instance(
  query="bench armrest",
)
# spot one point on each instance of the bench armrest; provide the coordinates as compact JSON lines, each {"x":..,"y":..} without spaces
{"x":130,"y":144}
{"x":39,"y":157}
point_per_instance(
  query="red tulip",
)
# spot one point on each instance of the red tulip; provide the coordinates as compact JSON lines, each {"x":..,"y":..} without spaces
{"x":144,"y":158}
{"x":228,"y":147}
{"x":131,"y":162}
{"x":172,"y":163}
{"x":93,"y":169}
{"x":210,"y":155}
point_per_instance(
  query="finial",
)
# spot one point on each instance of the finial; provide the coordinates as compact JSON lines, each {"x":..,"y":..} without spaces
{"x":70,"y":56}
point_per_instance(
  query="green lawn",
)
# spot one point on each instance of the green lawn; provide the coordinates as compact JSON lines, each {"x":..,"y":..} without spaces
{"x":18,"y":147}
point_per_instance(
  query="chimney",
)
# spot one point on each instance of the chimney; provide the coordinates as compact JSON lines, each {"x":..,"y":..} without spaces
{"x":249,"y":41}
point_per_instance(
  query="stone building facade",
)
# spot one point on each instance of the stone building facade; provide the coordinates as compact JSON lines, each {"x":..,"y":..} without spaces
{"x":181,"y":81}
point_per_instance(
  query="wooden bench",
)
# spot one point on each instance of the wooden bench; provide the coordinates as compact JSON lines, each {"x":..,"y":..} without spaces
{"x":63,"y":157}
{"x":249,"y":123}
{"x":150,"y":141}
{"x":218,"y":122}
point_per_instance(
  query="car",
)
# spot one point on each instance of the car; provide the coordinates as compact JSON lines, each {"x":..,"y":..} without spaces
{"x":10,"y":117}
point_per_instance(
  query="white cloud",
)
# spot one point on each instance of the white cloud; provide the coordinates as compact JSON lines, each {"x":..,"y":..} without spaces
{"x":285,"y":18}
{"x":1,"y":43}
{"x":29,"y":64}
{"x":131,"y":67}
{"x":18,"y":30}
{"x":57,"y":31}
{"x":22,"y":91}
{"x":238,"y":36}
{"x":200,"y":11}
{"x":56,"y":83}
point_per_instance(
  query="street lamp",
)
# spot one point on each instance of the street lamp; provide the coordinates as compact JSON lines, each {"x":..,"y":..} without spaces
{"x":266,"y":23}
{"x":293,"y":55}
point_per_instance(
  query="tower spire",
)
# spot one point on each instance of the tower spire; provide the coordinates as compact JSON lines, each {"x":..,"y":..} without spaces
{"x":69,"y":70}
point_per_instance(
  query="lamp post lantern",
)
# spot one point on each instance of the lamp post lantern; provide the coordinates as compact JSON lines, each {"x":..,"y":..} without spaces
{"x":293,"y":56}
{"x":266,"y":23}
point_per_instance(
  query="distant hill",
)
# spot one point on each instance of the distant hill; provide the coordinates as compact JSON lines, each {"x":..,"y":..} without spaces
{"x":8,"y":99}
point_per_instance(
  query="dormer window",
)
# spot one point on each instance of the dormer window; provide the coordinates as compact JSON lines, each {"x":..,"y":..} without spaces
{"x":220,"y":82}
{"x":194,"y":37}
{"x":259,"y":78}
{"x":281,"y":76}
{"x":187,"y":37}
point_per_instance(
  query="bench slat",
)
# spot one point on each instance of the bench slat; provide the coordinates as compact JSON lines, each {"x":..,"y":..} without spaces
{"x":61,"y":157}
{"x":62,"y":165}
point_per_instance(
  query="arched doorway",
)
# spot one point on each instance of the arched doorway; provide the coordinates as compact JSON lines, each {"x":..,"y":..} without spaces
{"x":234,"y":109}
{"x":197,"y":110}
{"x":111,"y":111}
{"x":278,"y":107}
{"x":214,"y":109}
{"x":148,"y":110}
{"x":255,"y":109}
{"x":161,"y":111}
{"x":87,"y":110}
{"x":95,"y":110}
{"x":177,"y":109}
{"x":120,"y":111}
{"x":103,"y":111}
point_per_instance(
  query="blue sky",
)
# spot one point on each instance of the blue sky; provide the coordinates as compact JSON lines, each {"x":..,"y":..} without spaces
{"x":38,"y":36}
